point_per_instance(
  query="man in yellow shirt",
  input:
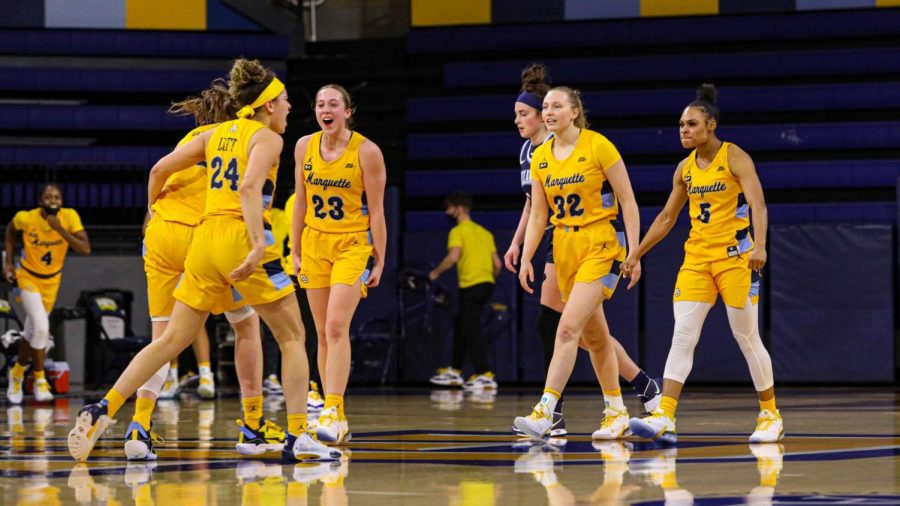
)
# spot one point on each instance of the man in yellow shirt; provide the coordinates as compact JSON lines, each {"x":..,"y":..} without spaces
{"x":471,"y":248}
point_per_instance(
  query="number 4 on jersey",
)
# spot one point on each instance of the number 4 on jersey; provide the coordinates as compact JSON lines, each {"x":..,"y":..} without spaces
{"x":47,"y":258}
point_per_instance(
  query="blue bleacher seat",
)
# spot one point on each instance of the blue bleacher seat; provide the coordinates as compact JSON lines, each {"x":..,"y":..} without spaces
{"x":737,"y":99}
{"x":142,"y":43}
{"x":781,"y":64}
{"x":780,"y":137}
{"x":658,"y":178}
{"x":635,"y":32}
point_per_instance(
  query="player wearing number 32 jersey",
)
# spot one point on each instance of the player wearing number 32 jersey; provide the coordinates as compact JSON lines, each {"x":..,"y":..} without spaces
{"x":582,"y":200}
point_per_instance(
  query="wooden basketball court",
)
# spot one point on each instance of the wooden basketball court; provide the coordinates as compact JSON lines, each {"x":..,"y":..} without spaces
{"x":445,"y":447}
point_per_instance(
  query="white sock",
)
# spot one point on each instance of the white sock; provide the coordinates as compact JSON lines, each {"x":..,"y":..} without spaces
{"x":549,"y":400}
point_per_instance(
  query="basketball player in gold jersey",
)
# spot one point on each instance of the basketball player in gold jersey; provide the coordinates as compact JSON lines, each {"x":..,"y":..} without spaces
{"x":231,"y":252}
{"x":528,"y":106}
{"x":579,"y":175}
{"x":720,"y":258}
{"x":167,"y":238}
{"x":338,"y":239}
{"x":47,"y":232}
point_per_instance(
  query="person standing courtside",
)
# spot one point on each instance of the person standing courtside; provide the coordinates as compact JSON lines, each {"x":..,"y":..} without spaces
{"x":471,"y":248}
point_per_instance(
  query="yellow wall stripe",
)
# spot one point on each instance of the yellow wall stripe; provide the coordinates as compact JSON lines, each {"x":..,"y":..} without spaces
{"x":165,"y":14}
{"x":678,"y":7}
{"x":444,"y":12}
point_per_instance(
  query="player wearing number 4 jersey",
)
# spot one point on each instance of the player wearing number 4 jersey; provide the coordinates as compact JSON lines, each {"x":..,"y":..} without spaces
{"x":581,"y":177}
{"x":339,"y":235}
{"x":720,"y":182}
{"x":47,"y":233}
{"x":231,"y":250}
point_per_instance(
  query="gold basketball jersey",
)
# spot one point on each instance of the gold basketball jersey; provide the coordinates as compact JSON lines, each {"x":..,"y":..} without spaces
{"x":184,"y":196}
{"x":44,"y":249}
{"x":227,"y":154}
{"x":720,"y":215}
{"x":335,"y":194}
{"x":576,"y":188}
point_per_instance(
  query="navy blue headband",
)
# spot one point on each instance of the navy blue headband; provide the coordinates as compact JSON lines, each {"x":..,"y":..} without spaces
{"x":531,"y":99}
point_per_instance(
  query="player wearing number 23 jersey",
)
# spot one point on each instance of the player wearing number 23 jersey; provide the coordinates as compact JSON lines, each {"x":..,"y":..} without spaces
{"x":588,"y":242}
{"x":220,"y":241}
{"x":336,"y":244}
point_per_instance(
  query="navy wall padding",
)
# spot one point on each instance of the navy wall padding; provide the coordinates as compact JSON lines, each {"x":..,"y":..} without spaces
{"x":19,"y":14}
{"x":424,"y":352}
{"x":101,"y":117}
{"x":755,"y":7}
{"x":832,"y":303}
{"x":662,"y":31}
{"x":838,"y":212}
{"x":658,"y":178}
{"x":139,"y":42}
{"x":781,"y":137}
{"x":52,"y":155}
{"x":133,"y":80}
{"x":717,"y":358}
{"x":526,"y":11}
{"x":577,"y":71}
{"x":222,"y":17}
{"x":807,"y":97}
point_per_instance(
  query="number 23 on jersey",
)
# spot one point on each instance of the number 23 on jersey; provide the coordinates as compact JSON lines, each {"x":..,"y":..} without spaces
{"x":336,"y":205}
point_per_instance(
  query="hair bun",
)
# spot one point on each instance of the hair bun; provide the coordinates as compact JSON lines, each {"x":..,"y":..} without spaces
{"x":536,"y":79}
{"x":707,"y":92}
{"x":246,"y":72}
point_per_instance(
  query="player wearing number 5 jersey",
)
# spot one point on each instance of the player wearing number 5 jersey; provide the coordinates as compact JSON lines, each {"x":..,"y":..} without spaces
{"x":232,"y":250}
{"x":581,"y":177}
{"x":47,"y":233}
{"x":339,"y":236}
{"x":720,"y":182}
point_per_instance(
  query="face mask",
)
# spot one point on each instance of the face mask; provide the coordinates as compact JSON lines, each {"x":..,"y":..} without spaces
{"x":50,"y":210}
{"x":451,"y":218}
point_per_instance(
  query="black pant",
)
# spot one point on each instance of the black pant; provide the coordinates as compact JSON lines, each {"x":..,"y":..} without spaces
{"x":467,"y":334}
{"x":271,"y":354}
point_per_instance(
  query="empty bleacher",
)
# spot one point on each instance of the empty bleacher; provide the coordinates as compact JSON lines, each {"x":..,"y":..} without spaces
{"x":87,"y":109}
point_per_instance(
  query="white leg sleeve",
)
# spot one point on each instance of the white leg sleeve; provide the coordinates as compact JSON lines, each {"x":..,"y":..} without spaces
{"x":689,"y":318}
{"x":240,"y":314}
{"x":37,"y":322}
{"x":745,"y":327}
{"x":155,"y":383}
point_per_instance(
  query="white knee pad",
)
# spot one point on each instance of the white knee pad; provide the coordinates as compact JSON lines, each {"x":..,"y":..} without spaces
{"x":155,"y":383}
{"x":689,"y":318}
{"x":37,"y":322}
{"x":239,"y":315}
{"x":745,"y":327}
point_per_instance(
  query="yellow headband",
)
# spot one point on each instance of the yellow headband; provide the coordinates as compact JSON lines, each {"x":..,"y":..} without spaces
{"x":270,"y":93}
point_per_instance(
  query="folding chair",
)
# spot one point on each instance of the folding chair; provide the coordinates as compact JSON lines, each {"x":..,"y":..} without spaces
{"x":108,"y":332}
